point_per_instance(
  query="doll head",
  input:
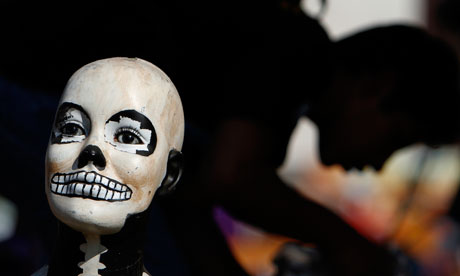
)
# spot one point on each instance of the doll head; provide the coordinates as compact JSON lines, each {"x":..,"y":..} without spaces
{"x":115,"y":140}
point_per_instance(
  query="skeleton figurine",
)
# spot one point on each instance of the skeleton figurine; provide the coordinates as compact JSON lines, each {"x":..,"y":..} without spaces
{"x":115,"y":142}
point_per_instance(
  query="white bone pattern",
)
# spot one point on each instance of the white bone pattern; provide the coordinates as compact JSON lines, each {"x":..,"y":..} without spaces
{"x":89,"y":185}
{"x":93,"y":250}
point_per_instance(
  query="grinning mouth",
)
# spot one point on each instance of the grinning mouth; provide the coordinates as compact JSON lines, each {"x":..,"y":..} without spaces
{"x":89,"y":185}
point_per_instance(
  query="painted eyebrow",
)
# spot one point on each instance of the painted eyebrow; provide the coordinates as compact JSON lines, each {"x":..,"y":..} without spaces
{"x":133,"y":115}
{"x":64,"y":107}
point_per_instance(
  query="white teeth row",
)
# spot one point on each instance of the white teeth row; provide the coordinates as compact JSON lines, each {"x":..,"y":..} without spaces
{"x":89,"y":190}
{"x":89,"y":177}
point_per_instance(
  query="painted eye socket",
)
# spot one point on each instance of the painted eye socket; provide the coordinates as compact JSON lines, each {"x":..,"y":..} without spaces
{"x":130,"y":131}
{"x":72,"y":129}
{"x":128,"y":136}
{"x":72,"y":124}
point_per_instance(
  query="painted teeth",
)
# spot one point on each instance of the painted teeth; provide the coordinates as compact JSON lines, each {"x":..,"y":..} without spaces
{"x":78,"y":189}
{"x":89,"y":185}
{"x":90,"y":191}
{"x":90,"y":177}
{"x":102,"y":193}
{"x":116,"y":196}
{"x":87,"y":189}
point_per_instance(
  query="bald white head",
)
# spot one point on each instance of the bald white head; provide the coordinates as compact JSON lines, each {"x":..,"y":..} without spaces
{"x":117,"y":122}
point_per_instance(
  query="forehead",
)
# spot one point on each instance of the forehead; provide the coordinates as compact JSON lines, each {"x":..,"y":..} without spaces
{"x":106,"y":87}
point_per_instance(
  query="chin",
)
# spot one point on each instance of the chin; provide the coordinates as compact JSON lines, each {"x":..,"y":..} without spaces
{"x":91,"y":216}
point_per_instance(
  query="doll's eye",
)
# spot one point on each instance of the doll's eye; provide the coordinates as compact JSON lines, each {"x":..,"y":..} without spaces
{"x":130,"y":131}
{"x":72,"y":124}
{"x":71,"y":129}
{"x":128,"y":136}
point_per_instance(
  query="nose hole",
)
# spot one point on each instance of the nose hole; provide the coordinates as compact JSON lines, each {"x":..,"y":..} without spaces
{"x":91,"y":154}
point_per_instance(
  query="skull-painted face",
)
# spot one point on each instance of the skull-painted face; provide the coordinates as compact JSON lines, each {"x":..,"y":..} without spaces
{"x":117,"y":122}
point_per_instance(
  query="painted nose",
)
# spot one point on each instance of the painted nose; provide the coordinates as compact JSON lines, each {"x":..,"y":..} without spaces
{"x":91,"y":154}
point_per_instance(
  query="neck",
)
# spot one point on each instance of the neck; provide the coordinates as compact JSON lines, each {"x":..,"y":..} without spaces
{"x":85,"y":254}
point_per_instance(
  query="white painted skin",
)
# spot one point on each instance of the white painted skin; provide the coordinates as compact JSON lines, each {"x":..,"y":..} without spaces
{"x":104,"y":88}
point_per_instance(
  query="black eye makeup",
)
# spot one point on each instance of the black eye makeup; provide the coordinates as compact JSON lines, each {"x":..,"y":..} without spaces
{"x":71,"y":125}
{"x":130,"y":131}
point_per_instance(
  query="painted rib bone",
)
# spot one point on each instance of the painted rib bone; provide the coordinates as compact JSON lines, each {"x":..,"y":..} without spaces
{"x":89,"y":185}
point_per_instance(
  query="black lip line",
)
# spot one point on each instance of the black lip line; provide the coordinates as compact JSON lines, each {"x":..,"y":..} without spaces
{"x":99,"y":183}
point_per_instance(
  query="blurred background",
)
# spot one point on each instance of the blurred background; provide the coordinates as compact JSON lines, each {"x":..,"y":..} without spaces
{"x":410,"y":203}
{"x":239,"y":68}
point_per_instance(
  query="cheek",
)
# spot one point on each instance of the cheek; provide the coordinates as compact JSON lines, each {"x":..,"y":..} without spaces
{"x":144,"y":174}
{"x":60,"y":157}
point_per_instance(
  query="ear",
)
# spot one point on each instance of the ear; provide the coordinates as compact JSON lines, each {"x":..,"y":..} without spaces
{"x":173,"y":172}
